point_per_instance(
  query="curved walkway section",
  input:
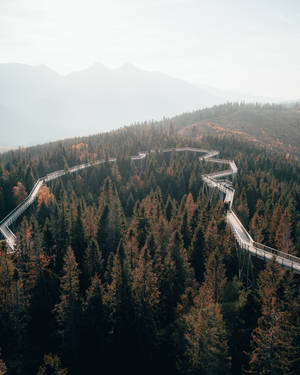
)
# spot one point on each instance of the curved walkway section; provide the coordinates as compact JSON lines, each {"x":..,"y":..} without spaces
{"x":214,"y":180}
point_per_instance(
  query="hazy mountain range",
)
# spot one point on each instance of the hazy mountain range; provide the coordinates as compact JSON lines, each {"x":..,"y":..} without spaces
{"x":39,"y":105}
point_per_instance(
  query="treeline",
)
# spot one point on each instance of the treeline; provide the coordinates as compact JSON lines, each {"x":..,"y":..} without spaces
{"x":130,"y":268}
{"x":275,"y":126}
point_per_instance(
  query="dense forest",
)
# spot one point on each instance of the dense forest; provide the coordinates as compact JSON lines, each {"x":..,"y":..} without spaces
{"x":130,"y":267}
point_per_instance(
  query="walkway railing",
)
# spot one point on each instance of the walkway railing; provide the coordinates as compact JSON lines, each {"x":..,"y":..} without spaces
{"x":240,"y":233}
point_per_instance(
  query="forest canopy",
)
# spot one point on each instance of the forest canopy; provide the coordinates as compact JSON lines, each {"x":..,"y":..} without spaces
{"x":129,"y":267}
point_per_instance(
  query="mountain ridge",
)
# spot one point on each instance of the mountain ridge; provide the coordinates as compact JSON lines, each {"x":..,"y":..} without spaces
{"x":44,"y":105}
{"x":85,"y":102}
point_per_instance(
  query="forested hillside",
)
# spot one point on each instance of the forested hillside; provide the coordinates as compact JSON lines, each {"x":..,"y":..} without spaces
{"x":130,"y":268}
{"x":271,"y":125}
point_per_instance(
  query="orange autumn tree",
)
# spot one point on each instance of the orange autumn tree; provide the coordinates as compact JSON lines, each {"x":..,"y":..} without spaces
{"x":283,"y":237}
{"x":19,"y":192}
{"x":44,"y":196}
{"x":83,"y":152}
{"x":273,"y":340}
{"x":3,"y":368}
{"x":51,"y":365}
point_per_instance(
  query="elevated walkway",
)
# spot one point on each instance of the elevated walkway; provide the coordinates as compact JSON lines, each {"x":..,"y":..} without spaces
{"x":213,"y":180}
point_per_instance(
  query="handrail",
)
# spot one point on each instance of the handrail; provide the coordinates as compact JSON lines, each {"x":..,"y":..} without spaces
{"x":241,"y":225}
{"x":284,"y":259}
{"x":20,"y":204}
{"x":280,"y":253}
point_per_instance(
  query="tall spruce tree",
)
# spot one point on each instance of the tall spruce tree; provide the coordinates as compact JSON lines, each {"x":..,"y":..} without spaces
{"x":68,"y":310}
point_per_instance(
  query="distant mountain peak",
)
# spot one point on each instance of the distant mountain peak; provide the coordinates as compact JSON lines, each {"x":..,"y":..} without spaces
{"x":98,"y":66}
{"x":89,"y":100}
{"x":128,"y":66}
{"x":46,"y":70}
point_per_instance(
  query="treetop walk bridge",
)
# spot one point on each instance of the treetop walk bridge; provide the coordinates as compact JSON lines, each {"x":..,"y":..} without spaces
{"x":215,"y":180}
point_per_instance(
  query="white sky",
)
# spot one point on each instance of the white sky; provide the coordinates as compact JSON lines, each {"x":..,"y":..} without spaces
{"x":241,"y":45}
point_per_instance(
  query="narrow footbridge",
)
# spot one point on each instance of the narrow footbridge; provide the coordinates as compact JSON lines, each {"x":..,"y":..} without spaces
{"x":215,"y":180}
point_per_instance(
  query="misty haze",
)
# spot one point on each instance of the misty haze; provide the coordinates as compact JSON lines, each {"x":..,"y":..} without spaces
{"x":149,"y":187}
{"x":38,"y":105}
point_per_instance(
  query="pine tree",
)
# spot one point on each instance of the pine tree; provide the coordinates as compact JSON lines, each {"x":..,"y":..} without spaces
{"x":93,"y":261}
{"x":24,"y":240}
{"x":48,"y":237}
{"x":242,"y":208}
{"x":144,"y":287}
{"x":94,"y":328}
{"x":112,"y":219}
{"x":29,"y":179}
{"x":145,"y":301}
{"x":68,"y":309}
{"x":51,"y":366}
{"x":197,"y":253}
{"x":272,"y":339}
{"x":154,"y":252}
{"x":19,"y":192}
{"x":129,"y":205}
{"x":256,"y":228}
{"x":177,"y":274}
{"x":3,"y":368}
{"x":103,"y":229}
{"x":215,"y":276}
{"x":274,"y":224}
{"x":206,"y":349}
{"x":185,"y":230}
{"x":169,"y":208}
{"x":78,"y":239}
{"x":211,"y":236}
{"x":41,"y":324}
{"x":271,"y":344}
{"x":118,"y":304}
{"x":283,"y":239}
{"x":190,"y":206}
{"x":6,"y":279}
